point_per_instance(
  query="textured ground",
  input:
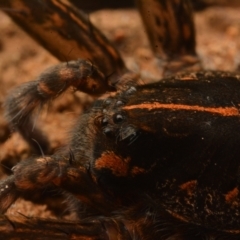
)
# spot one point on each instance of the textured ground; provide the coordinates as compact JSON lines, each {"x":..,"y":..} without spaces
{"x":21,"y":60}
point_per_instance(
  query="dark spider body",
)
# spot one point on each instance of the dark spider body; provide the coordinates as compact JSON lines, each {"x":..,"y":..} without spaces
{"x":170,"y":124}
{"x":153,"y":161}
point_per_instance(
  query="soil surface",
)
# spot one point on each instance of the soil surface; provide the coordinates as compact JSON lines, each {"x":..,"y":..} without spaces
{"x":22,"y":59}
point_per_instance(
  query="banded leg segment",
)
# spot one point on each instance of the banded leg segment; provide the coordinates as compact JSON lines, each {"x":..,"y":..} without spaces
{"x":65,"y":31}
{"x":20,"y":227}
{"x":81,"y":75}
{"x":170,"y":28}
{"x":38,"y":174}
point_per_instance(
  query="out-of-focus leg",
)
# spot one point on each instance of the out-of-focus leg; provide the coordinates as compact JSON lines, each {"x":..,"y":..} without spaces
{"x":171,"y":32}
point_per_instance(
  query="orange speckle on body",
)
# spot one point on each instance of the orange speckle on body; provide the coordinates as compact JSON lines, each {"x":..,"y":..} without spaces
{"x":137,"y":170}
{"x":188,"y":186}
{"x":177,"y":216}
{"x":234,"y":231}
{"x":188,"y":78}
{"x":231,"y":196}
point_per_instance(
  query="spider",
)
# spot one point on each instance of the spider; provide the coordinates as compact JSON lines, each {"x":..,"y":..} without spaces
{"x":145,"y":161}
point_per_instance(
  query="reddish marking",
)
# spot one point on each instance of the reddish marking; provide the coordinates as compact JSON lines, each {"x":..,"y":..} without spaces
{"x":43,"y":160}
{"x":118,"y":166}
{"x":188,"y":186}
{"x":137,"y":170}
{"x":233,"y":231}
{"x":57,"y":181}
{"x":66,"y":73}
{"x":25,"y":184}
{"x":188,"y":78}
{"x":186,"y":31}
{"x":177,"y":216}
{"x":227,"y":111}
{"x":231,"y":196}
{"x":44,"y":88}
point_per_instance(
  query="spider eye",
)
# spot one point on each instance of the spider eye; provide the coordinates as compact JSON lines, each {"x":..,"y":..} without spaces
{"x":108,"y":131}
{"x":107,"y":102}
{"x":118,"y":118}
{"x":104,"y":121}
{"x":119,"y":103}
{"x":131,"y":90}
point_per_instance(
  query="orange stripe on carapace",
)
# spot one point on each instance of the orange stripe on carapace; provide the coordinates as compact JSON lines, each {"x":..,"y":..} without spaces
{"x":227,"y":111}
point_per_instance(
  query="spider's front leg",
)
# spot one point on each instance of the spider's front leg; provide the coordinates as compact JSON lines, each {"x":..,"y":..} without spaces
{"x":81,"y":75}
{"x":34,"y":175}
{"x":37,"y":174}
{"x":42,"y":172}
{"x":21,"y":227}
{"x":68,"y":170}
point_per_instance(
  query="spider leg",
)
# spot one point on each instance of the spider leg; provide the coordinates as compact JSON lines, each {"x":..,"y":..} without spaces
{"x":198,"y":5}
{"x":37,"y":174}
{"x":42,"y":20}
{"x":65,"y":31}
{"x":132,"y":223}
{"x":81,"y":75}
{"x":8,"y":193}
{"x":171,"y":32}
{"x":22,"y":227}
